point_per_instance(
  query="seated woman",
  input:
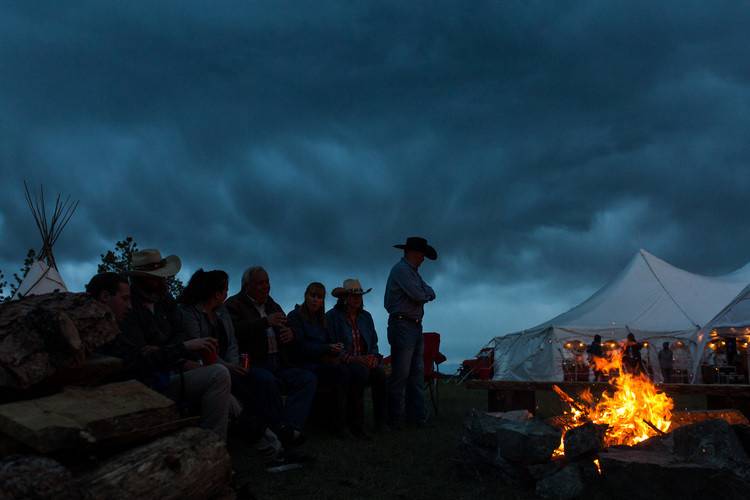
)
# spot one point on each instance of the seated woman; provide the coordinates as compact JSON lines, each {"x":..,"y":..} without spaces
{"x":316,"y":353}
{"x":203,"y":315}
{"x":351,"y":325}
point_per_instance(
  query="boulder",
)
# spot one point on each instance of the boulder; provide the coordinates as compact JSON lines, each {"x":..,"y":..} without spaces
{"x":631,"y":474}
{"x":713,"y":443}
{"x":565,"y":484}
{"x":529,"y":442}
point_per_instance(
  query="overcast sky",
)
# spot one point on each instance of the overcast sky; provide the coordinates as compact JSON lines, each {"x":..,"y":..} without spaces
{"x":537,"y":145}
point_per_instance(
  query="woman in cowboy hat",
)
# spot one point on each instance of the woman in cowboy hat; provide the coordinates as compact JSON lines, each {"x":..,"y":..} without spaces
{"x":353,"y":327}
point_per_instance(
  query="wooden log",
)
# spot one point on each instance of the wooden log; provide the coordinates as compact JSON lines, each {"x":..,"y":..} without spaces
{"x":43,"y":333}
{"x":190,"y":464}
{"x":88,"y":417}
{"x":27,"y":477}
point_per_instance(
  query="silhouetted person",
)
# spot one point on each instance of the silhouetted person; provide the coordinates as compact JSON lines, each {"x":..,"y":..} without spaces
{"x":666,"y":362}
{"x":631,"y":359}
{"x":596,"y":353}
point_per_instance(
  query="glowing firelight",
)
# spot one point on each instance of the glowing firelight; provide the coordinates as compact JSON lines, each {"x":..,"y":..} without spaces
{"x":634,"y":412}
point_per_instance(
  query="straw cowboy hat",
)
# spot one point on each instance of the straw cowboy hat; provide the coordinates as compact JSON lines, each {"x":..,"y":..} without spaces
{"x":149,"y":263}
{"x":351,"y":287}
{"x":420,"y":245}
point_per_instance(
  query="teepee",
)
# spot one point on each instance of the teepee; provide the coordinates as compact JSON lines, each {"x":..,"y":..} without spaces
{"x":43,"y":276}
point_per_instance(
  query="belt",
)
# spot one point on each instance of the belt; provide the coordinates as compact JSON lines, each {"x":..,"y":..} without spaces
{"x":394,"y":317}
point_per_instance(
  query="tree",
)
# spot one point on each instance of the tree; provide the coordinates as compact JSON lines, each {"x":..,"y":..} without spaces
{"x":119,"y":259}
{"x":17,"y":277}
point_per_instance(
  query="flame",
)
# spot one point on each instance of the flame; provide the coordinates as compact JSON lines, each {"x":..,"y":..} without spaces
{"x":634,"y":412}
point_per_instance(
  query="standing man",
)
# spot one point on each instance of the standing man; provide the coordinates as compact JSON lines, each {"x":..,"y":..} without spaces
{"x":405,"y":296}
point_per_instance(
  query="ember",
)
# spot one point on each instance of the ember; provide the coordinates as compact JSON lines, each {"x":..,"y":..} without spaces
{"x":635,"y":411}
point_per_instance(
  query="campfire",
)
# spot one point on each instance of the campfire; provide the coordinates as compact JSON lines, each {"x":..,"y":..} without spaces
{"x":635,"y":411}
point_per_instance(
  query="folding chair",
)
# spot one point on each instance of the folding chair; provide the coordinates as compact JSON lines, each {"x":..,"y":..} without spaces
{"x":432,"y":359}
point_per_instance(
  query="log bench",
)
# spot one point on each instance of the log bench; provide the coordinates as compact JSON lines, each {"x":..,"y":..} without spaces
{"x":537,"y":397}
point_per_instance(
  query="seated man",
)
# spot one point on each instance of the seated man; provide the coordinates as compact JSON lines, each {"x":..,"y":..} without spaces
{"x":112,"y":290}
{"x":155,"y":353}
{"x":260,"y":327}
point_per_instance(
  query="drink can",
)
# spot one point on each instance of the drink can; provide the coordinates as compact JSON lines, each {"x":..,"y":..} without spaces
{"x":245,"y":360}
{"x":210,"y":357}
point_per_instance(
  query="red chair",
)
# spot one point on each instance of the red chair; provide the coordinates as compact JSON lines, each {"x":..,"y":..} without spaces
{"x":432,"y":359}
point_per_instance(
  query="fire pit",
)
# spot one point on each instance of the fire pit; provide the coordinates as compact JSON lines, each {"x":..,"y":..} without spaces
{"x":627,"y":443}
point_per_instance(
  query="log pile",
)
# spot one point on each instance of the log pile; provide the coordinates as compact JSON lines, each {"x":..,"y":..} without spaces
{"x":704,"y":453}
{"x":90,"y":441}
{"x":42,"y":334}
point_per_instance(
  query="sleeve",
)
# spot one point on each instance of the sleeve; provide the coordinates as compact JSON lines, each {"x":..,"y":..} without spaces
{"x":374,"y":346}
{"x":412,"y":285}
{"x":129,"y":346}
{"x":233,"y":350}
{"x":190,"y":323}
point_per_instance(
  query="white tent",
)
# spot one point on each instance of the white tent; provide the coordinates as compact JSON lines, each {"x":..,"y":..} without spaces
{"x":43,"y":276}
{"x":650,"y":298}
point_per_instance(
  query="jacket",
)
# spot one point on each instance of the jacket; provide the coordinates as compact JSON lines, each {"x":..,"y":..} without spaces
{"x":140,"y":328}
{"x":250,"y":328}
{"x":312,"y":337}
{"x":195,"y":325}
{"x":341,"y":331}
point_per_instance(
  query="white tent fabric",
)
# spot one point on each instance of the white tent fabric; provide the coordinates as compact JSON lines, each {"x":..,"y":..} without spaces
{"x":40,"y":279}
{"x":650,"y":298}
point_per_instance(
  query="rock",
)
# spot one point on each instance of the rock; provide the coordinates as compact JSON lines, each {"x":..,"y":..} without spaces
{"x":562,"y":485}
{"x":743,"y":434}
{"x":631,"y":474}
{"x":681,"y":418}
{"x":585,"y":439}
{"x":539,"y":471}
{"x":712,"y":442}
{"x":481,"y":427}
{"x":515,"y":415}
{"x":31,"y":477}
{"x":530,"y":442}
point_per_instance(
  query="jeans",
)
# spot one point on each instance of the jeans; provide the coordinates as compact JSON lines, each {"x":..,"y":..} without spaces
{"x":406,"y":383}
{"x":207,"y":388}
{"x":336,"y":378}
{"x":362,"y":376}
{"x":265,"y":389}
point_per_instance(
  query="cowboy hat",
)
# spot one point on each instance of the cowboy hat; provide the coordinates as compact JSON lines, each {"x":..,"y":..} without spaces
{"x":351,"y":287}
{"x":149,"y":263}
{"x":420,"y":245}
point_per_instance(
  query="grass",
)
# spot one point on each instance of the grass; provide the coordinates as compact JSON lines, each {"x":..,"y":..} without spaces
{"x":410,"y":464}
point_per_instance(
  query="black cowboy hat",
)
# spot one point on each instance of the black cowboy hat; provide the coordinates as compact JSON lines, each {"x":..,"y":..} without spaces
{"x":420,"y":245}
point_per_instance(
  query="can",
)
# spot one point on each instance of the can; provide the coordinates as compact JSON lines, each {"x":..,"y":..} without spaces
{"x":209,"y":357}
{"x":245,"y":360}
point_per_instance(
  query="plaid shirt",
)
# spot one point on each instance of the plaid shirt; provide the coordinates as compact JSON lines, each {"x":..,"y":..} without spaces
{"x":358,"y":344}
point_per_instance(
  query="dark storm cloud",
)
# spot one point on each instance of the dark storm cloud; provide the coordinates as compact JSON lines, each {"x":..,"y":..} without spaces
{"x":538,"y":144}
